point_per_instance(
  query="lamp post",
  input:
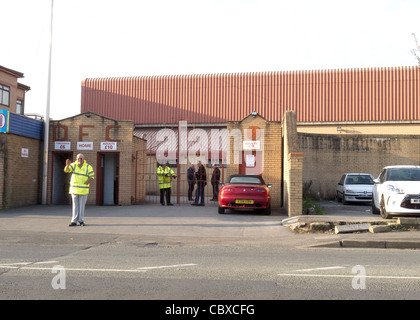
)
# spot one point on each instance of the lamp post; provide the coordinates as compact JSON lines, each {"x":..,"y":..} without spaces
{"x":47,"y":120}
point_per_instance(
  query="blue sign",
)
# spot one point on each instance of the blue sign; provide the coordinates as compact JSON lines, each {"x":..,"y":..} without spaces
{"x":4,"y":120}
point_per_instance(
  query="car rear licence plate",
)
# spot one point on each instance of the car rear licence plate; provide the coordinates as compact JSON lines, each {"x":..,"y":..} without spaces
{"x":244,"y":201}
{"x":415,"y":200}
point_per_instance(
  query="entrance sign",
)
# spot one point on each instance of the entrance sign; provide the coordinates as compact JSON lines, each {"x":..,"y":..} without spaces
{"x":83,"y":145}
{"x":251,"y":145}
{"x":109,"y":146}
{"x":62,"y":145}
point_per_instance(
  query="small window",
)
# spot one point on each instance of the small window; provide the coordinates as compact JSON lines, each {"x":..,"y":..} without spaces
{"x":19,"y":106}
{"x":246,"y":179}
{"x":4,"y":95}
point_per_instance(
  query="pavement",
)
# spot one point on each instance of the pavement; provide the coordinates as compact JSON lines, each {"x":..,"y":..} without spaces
{"x":189,"y":225}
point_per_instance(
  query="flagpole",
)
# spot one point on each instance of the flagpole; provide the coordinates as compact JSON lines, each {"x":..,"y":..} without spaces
{"x":47,"y":119}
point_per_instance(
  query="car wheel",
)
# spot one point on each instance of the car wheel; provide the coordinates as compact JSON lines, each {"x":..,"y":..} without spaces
{"x":374,"y":209}
{"x":266,"y":211}
{"x":221,"y":210}
{"x":337,"y":196}
{"x":382,"y":210}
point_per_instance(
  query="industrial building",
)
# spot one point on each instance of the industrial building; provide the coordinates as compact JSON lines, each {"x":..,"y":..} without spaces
{"x":330,"y":106}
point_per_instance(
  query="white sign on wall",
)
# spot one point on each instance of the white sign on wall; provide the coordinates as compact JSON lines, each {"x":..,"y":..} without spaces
{"x":250,"y":160}
{"x":109,"y":146}
{"x":24,"y":153}
{"x":251,"y":145}
{"x":62,"y":145}
{"x":83,"y":145}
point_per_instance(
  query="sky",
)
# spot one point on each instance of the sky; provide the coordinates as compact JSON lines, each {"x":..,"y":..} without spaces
{"x":103,"y":38}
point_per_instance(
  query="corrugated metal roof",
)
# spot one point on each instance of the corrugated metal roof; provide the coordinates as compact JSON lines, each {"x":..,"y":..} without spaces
{"x":25,"y":126}
{"x":376,"y":94}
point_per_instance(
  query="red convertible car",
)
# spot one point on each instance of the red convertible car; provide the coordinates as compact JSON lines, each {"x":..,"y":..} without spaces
{"x":245,"y":192}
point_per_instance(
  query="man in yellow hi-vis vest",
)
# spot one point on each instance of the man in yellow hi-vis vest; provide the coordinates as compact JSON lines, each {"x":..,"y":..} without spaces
{"x":165,"y":175}
{"x":82,"y":175}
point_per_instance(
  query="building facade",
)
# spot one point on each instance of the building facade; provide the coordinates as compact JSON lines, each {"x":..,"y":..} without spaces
{"x":349,"y":102}
{"x":20,"y":145}
{"x":117,"y":157}
{"x":12,"y":93}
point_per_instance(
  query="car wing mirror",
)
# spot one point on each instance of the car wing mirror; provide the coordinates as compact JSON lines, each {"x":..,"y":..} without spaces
{"x":269,"y":185}
{"x":376,"y":181}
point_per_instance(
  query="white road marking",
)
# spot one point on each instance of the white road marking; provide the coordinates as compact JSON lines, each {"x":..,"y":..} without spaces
{"x":16,"y":264}
{"x":345,"y":276}
{"x":323,"y":268}
{"x":171,"y":266}
{"x":45,"y":262}
{"x":71,"y":269}
{"x":86,"y":269}
{"x":8,"y":267}
{"x":23,"y":266}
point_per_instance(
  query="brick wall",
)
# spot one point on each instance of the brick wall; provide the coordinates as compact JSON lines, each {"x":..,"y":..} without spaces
{"x":21,"y":184}
{"x":292,"y":166}
{"x":365,"y":127}
{"x":2,"y":174}
{"x":270,"y":137}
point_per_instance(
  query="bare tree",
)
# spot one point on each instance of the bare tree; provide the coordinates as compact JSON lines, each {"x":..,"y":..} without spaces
{"x":416,"y":51}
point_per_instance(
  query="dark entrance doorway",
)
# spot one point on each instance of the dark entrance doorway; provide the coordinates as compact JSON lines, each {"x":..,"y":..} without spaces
{"x":107,"y":178}
{"x":60,"y":179}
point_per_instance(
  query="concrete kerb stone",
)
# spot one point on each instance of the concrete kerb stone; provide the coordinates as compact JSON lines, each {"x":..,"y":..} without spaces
{"x":352,"y":243}
{"x":408,"y":221}
{"x":406,"y":244}
{"x":379,"y":228}
{"x":374,"y":244}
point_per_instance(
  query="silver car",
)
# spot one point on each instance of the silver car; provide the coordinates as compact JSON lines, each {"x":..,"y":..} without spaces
{"x":355,"y":187}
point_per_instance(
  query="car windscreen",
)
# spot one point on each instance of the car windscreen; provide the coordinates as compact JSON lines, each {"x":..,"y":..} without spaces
{"x":403,"y":174}
{"x":254,"y":180}
{"x":359,"y":179}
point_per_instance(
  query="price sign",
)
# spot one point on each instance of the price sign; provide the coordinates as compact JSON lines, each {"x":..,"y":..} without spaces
{"x":251,"y":145}
{"x":62,"y":145}
{"x":109,"y":146}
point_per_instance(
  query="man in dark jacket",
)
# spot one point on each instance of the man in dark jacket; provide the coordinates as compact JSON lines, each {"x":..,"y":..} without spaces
{"x":191,"y":181}
{"x":201,"y":183}
{"x":215,"y":179}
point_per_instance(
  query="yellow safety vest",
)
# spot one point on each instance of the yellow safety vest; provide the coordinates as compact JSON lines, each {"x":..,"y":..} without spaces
{"x":79,"y":176}
{"x":164,"y":177}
